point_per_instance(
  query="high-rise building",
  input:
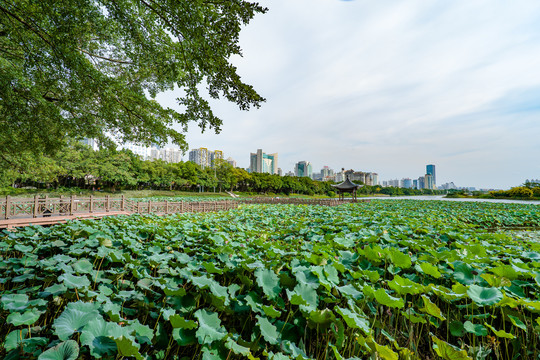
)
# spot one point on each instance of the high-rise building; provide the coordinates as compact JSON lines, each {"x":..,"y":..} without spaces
{"x":170,"y":155}
{"x":215,"y":156}
{"x":326,"y":173}
{"x":204,"y":157}
{"x":406,"y":183}
{"x":231,"y":161}
{"x":374,"y":179}
{"x":421,"y":182}
{"x":200,"y":157}
{"x":415,"y":184}
{"x":430,"y":170}
{"x":428,"y":182}
{"x":261,"y":162}
{"x":303,"y":168}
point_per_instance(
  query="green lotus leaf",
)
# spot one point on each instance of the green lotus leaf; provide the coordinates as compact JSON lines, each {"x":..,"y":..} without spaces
{"x":97,"y":335}
{"x":268,"y":331}
{"x":413,"y":317}
{"x":14,"y":302}
{"x":385,"y":353}
{"x":174,"y":291}
{"x":354,"y":320}
{"x":532,"y":255}
{"x":27,"y":318}
{"x":500,"y":333}
{"x":184,"y":337}
{"x":476,"y":329}
{"x":67,"y":350}
{"x":505,"y":271}
{"x":400,"y":259}
{"x":128,"y":347}
{"x":323,"y":317}
{"x":383,"y":298}
{"x":431,"y":308}
{"x":269,"y":282}
{"x":143,"y":333}
{"x":429,"y":269}
{"x":403,"y":286}
{"x":210,"y":328}
{"x":351,"y":291}
{"x":448,"y":351}
{"x":74,"y":282}
{"x":211,"y":268}
{"x":456,"y":328}
{"x":23,"y":248}
{"x":465,"y":273}
{"x":484,"y":296}
{"x":344,"y":242}
{"x":271,"y":311}
{"x":210,"y":354}
{"x":74,"y":317}
{"x":54,"y":290}
{"x":83,"y":266}
{"x":14,"y":339}
{"x":178,"y":321}
{"x":236,"y":348}
{"x":304,"y":294}
{"x":517,"y":322}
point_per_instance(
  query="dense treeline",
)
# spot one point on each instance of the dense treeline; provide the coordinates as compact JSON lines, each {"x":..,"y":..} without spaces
{"x":79,"y":166}
{"x":529,"y":190}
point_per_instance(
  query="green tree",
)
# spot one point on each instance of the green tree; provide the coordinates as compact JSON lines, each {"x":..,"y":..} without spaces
{"x":82,"y":68}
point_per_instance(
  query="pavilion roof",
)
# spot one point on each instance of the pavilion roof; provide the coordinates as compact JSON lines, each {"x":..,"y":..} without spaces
{"x":347,"y":185}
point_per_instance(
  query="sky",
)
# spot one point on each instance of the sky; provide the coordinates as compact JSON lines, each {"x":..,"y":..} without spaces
{"x":389,"y":87}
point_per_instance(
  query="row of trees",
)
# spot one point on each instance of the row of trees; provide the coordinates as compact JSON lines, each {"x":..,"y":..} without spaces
{"x":79,"y":166}
{"x":529,"y":190}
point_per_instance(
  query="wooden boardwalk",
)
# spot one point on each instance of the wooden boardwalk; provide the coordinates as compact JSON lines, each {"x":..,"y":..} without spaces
{"x":18,"y":212}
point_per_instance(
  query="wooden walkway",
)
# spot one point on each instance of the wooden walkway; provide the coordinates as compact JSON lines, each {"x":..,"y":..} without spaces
{"x":21,"y":222}
{"x":18,"y":212}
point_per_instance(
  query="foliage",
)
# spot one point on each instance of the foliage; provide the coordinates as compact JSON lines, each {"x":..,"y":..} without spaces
{"x":79,"y":166}
{"x":387,"y":279}
{"x":84,"y":68}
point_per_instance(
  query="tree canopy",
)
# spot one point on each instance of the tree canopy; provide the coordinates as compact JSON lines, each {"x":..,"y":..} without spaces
{"x":83,"y":68}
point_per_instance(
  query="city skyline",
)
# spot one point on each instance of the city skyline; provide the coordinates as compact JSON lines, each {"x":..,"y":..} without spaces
{"x":391,"y":87}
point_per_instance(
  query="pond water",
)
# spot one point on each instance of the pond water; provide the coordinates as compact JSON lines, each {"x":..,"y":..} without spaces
{"x":441,"y":197}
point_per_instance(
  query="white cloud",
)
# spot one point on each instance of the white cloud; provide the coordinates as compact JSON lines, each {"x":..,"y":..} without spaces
{"x":391,"y":86}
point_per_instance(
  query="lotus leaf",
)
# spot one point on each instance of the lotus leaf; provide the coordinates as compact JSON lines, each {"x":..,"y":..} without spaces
{"x":268,"y":331}
{"x":354,"y":320}
{"x":210,"y":328}
{"x":74,"y":318}
{"x":67,"y":350}
{"x":484,"y":296}
{"x":448,"y":351}
{"x":269,"y":282}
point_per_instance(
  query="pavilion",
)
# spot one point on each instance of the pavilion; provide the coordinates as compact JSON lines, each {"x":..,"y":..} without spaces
{"x":347,"y":187}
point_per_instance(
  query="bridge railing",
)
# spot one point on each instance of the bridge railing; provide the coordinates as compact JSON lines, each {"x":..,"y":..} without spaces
{"x":11,"y":208}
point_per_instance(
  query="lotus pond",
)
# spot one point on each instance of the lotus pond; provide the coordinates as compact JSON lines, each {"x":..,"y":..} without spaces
{"x":381,"y":280}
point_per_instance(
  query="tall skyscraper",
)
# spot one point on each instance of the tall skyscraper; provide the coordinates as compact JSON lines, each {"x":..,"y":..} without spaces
{"x":430,"y":170}
{"x":200,"y":157}
{"x":204,"y":157}
{"x":261,"y":162}
{"x":428,"y":182}
{"x":303,"y":168}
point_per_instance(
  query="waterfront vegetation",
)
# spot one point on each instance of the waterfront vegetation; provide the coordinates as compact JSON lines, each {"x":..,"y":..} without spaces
{"x":389,"y":279}
{"x":527,"y":191}
{"x":77,"y":169}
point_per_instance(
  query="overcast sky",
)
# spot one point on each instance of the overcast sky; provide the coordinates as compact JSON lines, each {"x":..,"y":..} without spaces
{"x":390,"y":86}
